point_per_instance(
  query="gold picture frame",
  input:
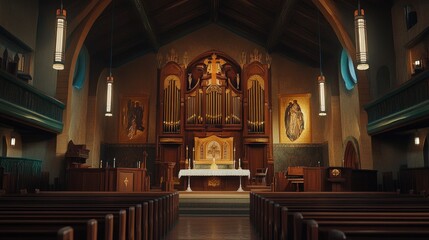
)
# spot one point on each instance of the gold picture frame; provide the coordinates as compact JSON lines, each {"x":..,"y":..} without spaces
{"x":295,"y":118}
{"x":133,"y":122}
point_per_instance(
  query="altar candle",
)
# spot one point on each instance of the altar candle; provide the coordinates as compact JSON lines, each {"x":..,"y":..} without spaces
{"x":114,"y":162}
{"x":186,"y":152}
{"x":239,"y":163}
{"x":233,"y":158}
{"x":189,"y":163}
{"x":101,"y":163}
{"x":193,"y":153}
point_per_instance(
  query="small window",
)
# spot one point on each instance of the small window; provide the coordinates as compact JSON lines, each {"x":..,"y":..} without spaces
{"x":410,"y":16}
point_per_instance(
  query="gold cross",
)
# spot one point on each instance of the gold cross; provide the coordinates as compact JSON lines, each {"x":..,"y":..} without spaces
{"x":213,"y":68}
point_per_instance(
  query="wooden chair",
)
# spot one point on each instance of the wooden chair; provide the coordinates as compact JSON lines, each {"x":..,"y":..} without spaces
{"x":261,"y":174}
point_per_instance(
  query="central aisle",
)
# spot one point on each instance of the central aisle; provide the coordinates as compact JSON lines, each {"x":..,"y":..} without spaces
{"x":212,"y":227}
{"x":213,"y":215}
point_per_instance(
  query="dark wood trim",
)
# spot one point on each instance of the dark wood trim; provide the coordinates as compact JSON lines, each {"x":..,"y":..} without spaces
{"x":146,"y":24}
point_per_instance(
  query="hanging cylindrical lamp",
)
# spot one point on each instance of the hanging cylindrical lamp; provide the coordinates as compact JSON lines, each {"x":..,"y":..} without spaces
{"x":321,"y":78}
{"x":60,"y":39}
{"x":110,"y":77}
{"x":322,"y":100}
{"x":361,"y":39}
{"x":109,"y":96}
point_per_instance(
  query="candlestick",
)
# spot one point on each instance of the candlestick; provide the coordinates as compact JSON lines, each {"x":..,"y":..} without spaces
{"x":189,"y":163}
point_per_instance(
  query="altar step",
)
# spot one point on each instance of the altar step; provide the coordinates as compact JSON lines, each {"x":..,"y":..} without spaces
{"x":214,"y":204}
{"x":258,"y":188}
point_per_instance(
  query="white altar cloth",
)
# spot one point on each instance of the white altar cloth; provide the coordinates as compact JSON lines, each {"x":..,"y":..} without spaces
{"x":216,"y":172}
{"x":211,"y":172}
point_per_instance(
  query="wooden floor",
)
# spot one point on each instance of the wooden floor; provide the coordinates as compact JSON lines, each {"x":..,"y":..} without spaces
{"x":210,"y":227}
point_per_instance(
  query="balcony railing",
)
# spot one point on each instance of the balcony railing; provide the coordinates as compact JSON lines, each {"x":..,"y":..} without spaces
{"x":21,"y":101}
{"x":408,"y":103}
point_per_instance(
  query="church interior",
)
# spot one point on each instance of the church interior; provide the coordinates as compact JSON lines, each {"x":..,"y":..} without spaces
{"x":292,"y":119}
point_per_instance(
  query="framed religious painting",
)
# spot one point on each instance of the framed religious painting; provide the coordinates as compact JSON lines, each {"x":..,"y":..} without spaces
{"x":133,"y":122}
{"x":295,"y":118}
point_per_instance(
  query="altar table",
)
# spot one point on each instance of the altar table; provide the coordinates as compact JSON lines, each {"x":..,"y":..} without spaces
{"x":213,"y":173}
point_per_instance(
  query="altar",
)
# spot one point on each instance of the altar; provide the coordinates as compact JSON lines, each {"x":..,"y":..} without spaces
{"x":214,"y":180}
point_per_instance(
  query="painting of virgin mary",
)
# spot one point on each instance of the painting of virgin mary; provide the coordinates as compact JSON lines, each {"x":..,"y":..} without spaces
{"x":294,"y":120}
{"x":294,"y":116}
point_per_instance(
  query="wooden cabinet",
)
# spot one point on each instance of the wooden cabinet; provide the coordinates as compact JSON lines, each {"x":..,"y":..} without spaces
{"x":107,"y":179}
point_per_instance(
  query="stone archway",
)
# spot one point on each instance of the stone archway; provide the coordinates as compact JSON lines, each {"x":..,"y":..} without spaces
{"x":351,"y":155}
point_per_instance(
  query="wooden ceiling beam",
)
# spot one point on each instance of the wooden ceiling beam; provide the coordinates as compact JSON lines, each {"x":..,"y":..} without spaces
{"x":282,"y":19}
{"x":146,"y":24}
{"x":333,"y":16}
{"x":214,"y":10}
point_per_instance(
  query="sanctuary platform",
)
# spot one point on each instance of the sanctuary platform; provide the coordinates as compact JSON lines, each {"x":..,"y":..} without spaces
{"x":214,"y":203}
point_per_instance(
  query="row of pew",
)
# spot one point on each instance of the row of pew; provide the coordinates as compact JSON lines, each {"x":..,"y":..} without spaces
{"x":88,"y":215}
{"x":339,"y":215}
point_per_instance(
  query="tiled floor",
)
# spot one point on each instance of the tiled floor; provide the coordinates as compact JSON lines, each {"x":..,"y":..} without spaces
{"x":209,"y":227}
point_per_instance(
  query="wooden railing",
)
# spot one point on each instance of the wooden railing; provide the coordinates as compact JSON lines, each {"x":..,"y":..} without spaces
{"x":22,"y":101}
{"x":407,"y":103}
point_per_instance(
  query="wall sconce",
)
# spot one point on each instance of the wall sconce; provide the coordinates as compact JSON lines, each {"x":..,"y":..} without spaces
{"x":12,"y":141}
{"x":361,"y":39}
{"x":418,"y":66}
{"x":60,"y":39}
{"x":416,"y":138}
{"x":109,"y":96}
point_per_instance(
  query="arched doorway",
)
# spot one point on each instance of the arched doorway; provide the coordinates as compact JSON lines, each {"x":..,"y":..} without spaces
{"x":351,"y":156}
{"x":3,"y":146}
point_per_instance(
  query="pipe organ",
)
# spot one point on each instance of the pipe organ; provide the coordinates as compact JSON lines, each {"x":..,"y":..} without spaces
{"x":256,"y":102}
{"x":171,"y":121}
{"x":214,"y":105}
{"x":207,"y":98}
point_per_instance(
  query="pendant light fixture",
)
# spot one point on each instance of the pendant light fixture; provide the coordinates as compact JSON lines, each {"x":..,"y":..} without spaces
{"x":110,"y":77}
{"x":321,"y":77}
{"x":361,"y":39}
{"x":60,"y":39}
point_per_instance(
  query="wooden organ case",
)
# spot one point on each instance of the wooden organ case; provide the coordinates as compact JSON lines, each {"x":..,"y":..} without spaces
{"x":213,"y":96}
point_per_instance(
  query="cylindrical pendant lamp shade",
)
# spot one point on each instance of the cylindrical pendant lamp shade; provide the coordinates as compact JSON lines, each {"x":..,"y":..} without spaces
{"x":109,"y":96}
{"x":361,"y":40}
{"x":60,"y":40}
{"x":322,"y":103}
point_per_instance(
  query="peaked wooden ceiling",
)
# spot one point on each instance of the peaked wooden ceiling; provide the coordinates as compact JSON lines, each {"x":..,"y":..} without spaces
{"x":289,"y":27}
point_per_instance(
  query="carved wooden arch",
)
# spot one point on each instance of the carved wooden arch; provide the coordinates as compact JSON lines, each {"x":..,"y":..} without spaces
{"x":351,"y":154}
{"x":209,"y":54}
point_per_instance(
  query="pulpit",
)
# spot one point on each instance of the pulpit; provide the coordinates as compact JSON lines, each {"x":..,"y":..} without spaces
{"x":76,"y":155}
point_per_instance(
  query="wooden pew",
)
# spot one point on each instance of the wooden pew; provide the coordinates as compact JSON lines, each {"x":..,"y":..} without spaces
{"x":48,"y":229}
{"x":106,"y":227}
{"x":366,"y":230}
{"x":270,"y":216}
{"x":65,"y":233}
{"x":160,"y":210}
